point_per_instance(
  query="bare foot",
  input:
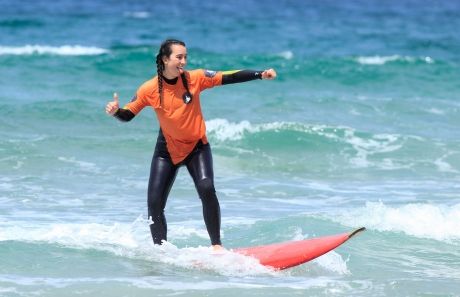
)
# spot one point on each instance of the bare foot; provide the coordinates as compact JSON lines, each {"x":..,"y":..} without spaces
{"x":217,"y":248}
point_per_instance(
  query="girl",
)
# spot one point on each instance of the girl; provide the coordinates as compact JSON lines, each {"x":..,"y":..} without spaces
{"x":174,"y":94}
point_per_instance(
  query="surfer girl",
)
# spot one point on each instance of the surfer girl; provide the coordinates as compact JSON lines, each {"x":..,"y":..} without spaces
{"x":174,"y":94}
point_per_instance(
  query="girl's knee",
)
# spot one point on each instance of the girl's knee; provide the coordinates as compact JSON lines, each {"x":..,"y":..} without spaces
{"x":206,"y":189}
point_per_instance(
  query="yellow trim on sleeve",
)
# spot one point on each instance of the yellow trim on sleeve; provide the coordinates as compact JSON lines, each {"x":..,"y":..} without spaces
{"x":230,"y":72}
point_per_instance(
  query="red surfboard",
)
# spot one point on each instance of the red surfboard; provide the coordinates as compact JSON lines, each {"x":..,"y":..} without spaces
{"x":293,"y":253}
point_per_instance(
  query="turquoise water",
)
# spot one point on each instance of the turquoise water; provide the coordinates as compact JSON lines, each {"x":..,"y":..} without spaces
{"x":359,"y":129}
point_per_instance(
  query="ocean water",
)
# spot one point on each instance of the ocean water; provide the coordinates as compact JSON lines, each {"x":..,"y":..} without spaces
{"x":361,"y":128}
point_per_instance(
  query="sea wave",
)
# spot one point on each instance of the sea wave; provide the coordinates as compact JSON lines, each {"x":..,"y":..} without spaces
{"x":64,"y":50}
{"x":422,"y":220}
{"x":347,"y":147}
{"x":224,"y":130}
{"x":341,"y":137}
{"x":131,"y":241}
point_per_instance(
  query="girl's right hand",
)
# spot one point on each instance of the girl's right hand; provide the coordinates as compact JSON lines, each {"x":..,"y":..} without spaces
{"x":112,"y":107}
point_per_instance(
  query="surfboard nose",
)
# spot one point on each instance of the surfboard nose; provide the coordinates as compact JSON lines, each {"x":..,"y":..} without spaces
{"x":292,"y":253}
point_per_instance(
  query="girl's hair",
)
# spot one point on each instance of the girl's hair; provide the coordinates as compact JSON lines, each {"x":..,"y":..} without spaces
{"x":165,"y":51}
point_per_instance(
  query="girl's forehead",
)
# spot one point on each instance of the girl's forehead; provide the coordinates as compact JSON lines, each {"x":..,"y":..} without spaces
{"x":177,"y":49}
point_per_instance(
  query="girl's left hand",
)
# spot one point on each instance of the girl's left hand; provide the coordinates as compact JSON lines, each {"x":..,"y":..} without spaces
{"x":269,"y":74}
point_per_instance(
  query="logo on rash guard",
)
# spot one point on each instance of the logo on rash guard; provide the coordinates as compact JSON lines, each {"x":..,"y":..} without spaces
{"x":210,"y":73}
{"x":187,"y":97}
{"x":134,"y":98}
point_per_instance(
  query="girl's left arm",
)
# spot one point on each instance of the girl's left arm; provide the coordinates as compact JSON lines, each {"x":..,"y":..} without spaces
{"x":238,"y":76}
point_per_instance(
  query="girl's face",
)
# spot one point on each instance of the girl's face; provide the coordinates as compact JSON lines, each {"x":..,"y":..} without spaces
{"x":176,"y":62}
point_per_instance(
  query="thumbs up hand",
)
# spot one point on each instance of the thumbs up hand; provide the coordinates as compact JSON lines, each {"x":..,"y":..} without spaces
{"x":112,"y":107}
{"x":269,"y":74}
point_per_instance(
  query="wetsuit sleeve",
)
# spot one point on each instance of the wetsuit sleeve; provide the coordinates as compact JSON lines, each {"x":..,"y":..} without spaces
{"x":238,"y":76}
{"x":209,"y":78}
{"x":124,"y":115}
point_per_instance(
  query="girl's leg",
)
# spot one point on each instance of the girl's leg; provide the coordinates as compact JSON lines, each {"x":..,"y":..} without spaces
{"x":162,"y":175}
{"x":200,"y":167}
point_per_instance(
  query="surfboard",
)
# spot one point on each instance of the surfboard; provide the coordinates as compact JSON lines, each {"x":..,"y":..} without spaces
{"x":289,"y":254}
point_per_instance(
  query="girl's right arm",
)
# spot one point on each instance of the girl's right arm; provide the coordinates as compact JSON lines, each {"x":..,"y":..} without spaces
{"x":113,"y":108}
{"x":124,"y":115}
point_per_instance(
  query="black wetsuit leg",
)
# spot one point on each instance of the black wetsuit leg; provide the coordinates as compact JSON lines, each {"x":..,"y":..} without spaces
{"x":200,"y":167}
{"x":162,"y":175}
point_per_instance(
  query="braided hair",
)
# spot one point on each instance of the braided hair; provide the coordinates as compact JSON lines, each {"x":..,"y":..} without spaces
{"x":187,"y":94}
{"x":166,"y":51}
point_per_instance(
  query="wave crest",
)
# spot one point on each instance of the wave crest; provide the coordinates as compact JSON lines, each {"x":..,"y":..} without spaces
{"x":420,"y":220}
{"x":223,"y":130}
{"x":381,"y":60}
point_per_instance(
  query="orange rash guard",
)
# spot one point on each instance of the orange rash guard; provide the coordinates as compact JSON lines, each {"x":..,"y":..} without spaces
{"x":182,"y":123}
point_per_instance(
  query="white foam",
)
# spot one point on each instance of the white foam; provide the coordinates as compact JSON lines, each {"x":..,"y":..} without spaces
{"x":436,"y":111}
{"x":75,"y":235}
{"x":420,"y":220}
{"x":9,"y":290}
{"x":65,"y":50}
{"x":428,"y":60}
{"x":377,"y":60}
{"x":182,"y":232}
{"x":381,"y":60}
{"x":83,"y":165}
{"x":334,"y":262}
{"x":203,"y":258}
{"x":224,"y":130}
{"x":332,"y":286}
{"x":288,"y":55}
{"x":18,"y":165}
{"x":239,"y":221}
{"x":133,"y":241}
{"x":377,"y":144}
{"x":331,"y":261}
{"x":138,"y":14}
{"x":444,"y":166}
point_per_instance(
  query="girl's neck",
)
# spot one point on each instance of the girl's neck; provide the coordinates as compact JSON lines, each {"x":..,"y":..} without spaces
{"x":170,"y":81}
